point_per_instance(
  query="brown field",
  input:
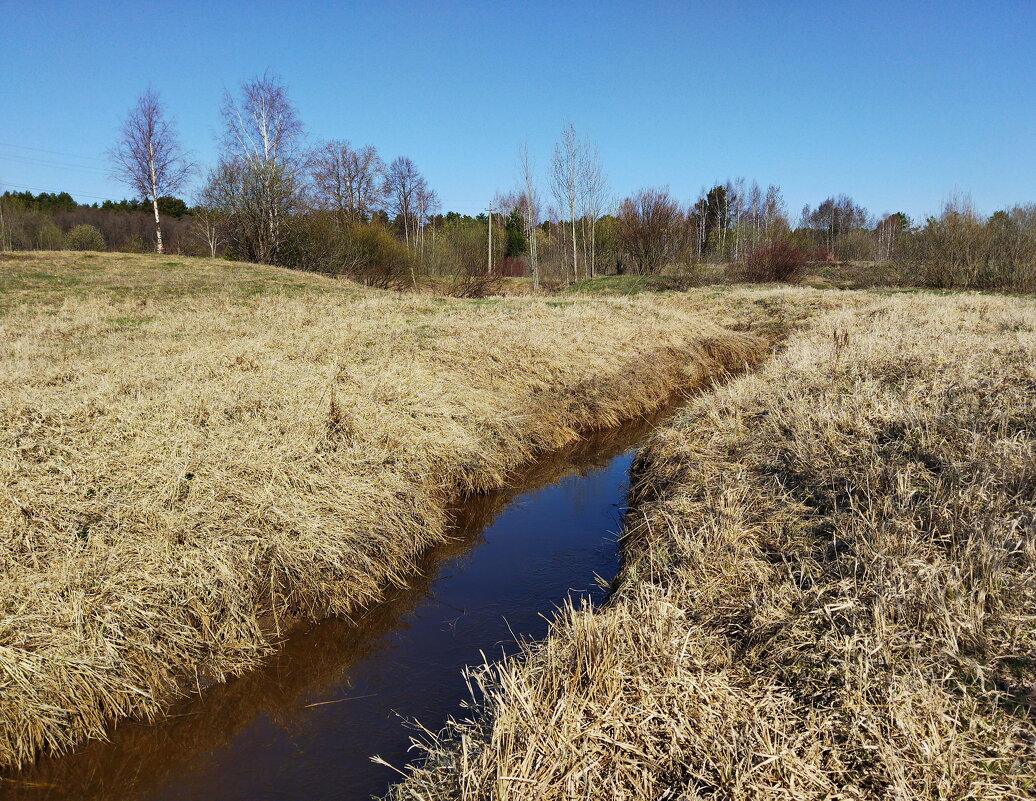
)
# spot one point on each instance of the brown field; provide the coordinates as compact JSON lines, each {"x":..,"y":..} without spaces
{"x":828,"y":589}
{"x":197,"y":453}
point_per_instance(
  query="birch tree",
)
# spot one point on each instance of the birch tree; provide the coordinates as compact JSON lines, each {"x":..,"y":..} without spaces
{"x":149,"y":157}
{"x":350,"y":182}
{"x":530,"y":210}
{"x":593,"y":190}
{"x":402,"y":182}
{"x":208,"y":224}
{"x":426,"y":205}
{"x":260,"y":175}
{"x":565,"y":180}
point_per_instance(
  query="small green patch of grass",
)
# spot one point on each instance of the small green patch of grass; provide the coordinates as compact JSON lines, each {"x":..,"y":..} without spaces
{"x":128,"y":322}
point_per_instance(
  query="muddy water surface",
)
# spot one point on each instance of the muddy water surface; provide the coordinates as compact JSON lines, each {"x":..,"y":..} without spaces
{"x":306,"y":723}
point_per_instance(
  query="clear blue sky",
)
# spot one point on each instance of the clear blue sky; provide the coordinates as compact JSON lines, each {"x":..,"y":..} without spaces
{"x":895,"y":104}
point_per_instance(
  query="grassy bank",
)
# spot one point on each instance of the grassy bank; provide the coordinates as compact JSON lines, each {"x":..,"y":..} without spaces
{"x":828,"y":589}
{"x":197,"y":453}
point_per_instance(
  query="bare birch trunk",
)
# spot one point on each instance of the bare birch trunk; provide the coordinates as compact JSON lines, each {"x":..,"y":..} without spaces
{"x":158,"y":224}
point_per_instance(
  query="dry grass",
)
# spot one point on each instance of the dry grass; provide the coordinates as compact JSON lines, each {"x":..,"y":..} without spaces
{"x":192,"y":458}
{"x":828,"y":590}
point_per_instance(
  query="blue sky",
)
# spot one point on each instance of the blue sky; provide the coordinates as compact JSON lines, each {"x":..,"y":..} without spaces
{"x":895,"y":104}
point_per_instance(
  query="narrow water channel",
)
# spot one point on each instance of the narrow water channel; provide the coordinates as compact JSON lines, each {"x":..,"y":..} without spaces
{"x":306,"y":723}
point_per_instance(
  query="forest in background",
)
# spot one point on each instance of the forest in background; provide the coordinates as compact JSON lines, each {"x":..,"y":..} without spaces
{"x":276,"y":197}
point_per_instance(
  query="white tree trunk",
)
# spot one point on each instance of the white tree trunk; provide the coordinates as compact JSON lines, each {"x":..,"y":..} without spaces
{"x":158,"y":224}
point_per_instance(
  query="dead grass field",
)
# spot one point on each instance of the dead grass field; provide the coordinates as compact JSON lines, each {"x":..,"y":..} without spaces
{"x":196,"y":453}
{"x":828,"y":589}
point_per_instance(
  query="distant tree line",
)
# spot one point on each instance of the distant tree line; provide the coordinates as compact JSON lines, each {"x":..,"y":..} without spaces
{"x":43,"y":222}
{"x":274,"y":196}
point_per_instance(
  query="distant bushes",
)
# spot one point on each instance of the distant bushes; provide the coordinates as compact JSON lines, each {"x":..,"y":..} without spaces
{"x":84,"y":237}
{"x":364,"y":252}
{"x":778,"y":262}
{"x":960,"y":250}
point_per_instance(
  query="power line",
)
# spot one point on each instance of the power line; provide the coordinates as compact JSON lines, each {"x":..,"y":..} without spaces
{"x":46,"y":163}
{"x":52,"y":152}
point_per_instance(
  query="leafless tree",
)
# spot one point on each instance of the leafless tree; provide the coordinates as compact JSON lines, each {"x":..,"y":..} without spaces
{"x":593,"y":192}
{"x":349,"y":182}
{"x":261,"y":166}
{"x":833,"y":219}
{"x":651,"y":226}
{"x":402,"y":182}
{"x":775,"y":215}
{"x":699,"y":218}
{"x":426,"y":204}
{"x":262,"y":122}
{"x":530,"y":210}
{"x":566,"y":167}
{"x":209,"y":220}
{"x":149,"y":157}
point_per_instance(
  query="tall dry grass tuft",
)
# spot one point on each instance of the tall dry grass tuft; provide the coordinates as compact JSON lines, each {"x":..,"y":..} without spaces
{"x":828,"y":589}
{"x":193,"y":460}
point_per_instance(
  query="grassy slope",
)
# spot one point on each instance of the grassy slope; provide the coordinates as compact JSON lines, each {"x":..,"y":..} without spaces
{"x":828,"y":591}
{"x":195,"y":452}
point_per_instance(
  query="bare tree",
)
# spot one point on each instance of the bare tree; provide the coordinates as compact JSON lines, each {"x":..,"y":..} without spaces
{"x":402,"y":182}
{"x":566,"y":167}
{"x":530,"y":210}
{"x":833,"y":219}
{"x":209,"y":219}
{"x":593,"y":191}
{"x":149,"y":157}
{"x":349,"y":182}
{"x":651,"y":227}
{"x":775,"y":215}
{"x":262,"y":162}
{"x":261,"y":166}
{"x":262,"y":123}
{"x":426,"y":204}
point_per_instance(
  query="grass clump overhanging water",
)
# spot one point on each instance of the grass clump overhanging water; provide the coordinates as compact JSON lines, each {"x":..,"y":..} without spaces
{"x":190,"y":465}
{"x":828,"y":589}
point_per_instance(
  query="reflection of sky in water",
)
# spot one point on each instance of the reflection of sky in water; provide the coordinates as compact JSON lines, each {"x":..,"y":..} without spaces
{"x":305,"y":725}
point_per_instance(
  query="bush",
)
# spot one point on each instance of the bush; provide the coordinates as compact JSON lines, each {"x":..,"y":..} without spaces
{"x":779,"y":262}
{"x":823,"y":255}
{"x":84,"y":237}
{"x":474,"y":285}
{"x":371,"y":255}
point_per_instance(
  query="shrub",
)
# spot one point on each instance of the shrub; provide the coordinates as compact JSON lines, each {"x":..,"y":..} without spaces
{"x":84,"y":237}
{"x":777,"y":262}
{"x":824,"y":256}
{"x":473,"y":285}
{"x":371,"y":255}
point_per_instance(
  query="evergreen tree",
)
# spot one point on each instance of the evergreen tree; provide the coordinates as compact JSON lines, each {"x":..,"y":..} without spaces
{"x":516,"y":243}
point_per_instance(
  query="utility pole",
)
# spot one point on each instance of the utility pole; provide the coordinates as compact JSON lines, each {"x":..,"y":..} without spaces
{"x":489,"y":265}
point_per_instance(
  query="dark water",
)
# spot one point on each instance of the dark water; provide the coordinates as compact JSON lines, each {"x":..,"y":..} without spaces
{"x":306,"y":723}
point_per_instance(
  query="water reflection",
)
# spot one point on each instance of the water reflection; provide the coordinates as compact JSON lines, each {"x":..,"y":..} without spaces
{"x":306,"y":723}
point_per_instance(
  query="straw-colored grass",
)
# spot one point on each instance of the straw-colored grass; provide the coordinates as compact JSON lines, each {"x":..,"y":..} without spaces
{"x":194,"y":457}
{"x":828,"y":589}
